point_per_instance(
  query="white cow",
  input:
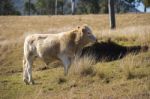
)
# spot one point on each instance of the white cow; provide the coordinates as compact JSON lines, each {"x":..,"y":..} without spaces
{"x":49,"y":47}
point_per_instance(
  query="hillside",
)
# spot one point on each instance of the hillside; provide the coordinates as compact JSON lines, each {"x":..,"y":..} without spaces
{"x":126,"y":77}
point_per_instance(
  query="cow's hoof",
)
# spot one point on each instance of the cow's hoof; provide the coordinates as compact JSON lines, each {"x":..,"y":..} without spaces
{"x":66,"y":73}
{"x":32,"y":82}
{"x":26,"y":82}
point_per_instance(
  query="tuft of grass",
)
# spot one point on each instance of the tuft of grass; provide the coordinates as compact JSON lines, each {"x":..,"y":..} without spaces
{"x":61,"y":80}
{"x":104,"y":72}
{"x":133,"y":66}
{"x":83,"y":66}
{"x":128,"y":66}
{"x":87,"y":71}
{"x":104,"y":78}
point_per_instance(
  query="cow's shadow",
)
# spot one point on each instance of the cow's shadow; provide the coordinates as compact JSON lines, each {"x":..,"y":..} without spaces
{"x":109,"y":51}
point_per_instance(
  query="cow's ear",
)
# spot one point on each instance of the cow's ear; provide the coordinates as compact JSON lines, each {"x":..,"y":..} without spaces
{"x":83,"y":29}
{"x":78,"y":27}
{"x":78,"y":36}
{"x":73,"y":36}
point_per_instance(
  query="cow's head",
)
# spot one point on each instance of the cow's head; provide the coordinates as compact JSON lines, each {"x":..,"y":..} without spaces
{"x":85,"y":34}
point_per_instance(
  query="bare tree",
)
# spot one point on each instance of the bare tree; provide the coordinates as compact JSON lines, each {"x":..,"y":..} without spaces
{"x":145,"y":9}
{"x":73,"y":6}
{"x":55,"y":7}
{"x":62,"y":7}
{"x":29,"y":7}
{"x":111,"y":14}
{"x":146,"y":4}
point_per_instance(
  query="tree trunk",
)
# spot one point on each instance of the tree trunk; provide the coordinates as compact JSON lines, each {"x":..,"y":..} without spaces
{"x":62,"y":7}
{"x":55,"y":7}
{"x":145,"y":9}
{"x":73,"y":6}
{"x":29,"y":7}
{"x":112,"y":14}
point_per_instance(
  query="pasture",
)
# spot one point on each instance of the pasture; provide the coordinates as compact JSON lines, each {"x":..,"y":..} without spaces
{"x":127,"y":77}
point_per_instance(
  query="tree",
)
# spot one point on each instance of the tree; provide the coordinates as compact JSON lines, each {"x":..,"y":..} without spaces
{"x":73,"y":6}
{"x":29,"y":8}
{"x":103,"y":6}
{"x":49,"y":7}
{"x":88,"y":6}
{"x":111,"y":14}
{"x":59,"y":6}
{"x":45,"y":7}
{"x":7,"y":8}
{"x":146,"y":3}
{"x":55,"y":7}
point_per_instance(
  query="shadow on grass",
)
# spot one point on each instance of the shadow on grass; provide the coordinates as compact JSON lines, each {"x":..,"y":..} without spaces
{"x":109,"y":51}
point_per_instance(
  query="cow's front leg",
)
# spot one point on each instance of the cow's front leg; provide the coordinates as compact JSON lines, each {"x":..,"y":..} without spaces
{"x":66,"y":62}
{"x":29,"y":69}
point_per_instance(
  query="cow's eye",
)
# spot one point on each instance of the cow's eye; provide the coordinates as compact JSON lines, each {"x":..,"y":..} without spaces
{"x":88,"y":33}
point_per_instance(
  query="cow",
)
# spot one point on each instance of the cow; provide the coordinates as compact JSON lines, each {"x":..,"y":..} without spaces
{"x":49,"y":47}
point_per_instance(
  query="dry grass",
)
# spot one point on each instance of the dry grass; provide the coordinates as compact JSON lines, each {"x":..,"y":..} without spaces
{"x":135,"y":34}
{"x":128,"y":78}
{"x":83,"y":66}
{"x":130,"y":64}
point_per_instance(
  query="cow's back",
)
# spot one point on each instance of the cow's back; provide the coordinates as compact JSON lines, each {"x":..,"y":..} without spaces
{"x":42,"y":45}
{"x":49,"y":47}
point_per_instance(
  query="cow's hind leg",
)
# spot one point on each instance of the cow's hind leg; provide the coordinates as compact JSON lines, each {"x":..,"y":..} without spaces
{"x":25,"y":74}
{"x":28,"y":71}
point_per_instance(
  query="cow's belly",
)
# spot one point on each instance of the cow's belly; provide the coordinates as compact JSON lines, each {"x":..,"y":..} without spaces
{"x":48,"y":49}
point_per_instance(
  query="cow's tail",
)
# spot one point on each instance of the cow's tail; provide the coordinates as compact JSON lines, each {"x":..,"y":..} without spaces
{"x":24,"y":62}
{"x":25,"y":48}
{"x":25,"y":52}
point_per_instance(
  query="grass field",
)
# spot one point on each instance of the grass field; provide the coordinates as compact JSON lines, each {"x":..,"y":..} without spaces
{"x":126,"y":78}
